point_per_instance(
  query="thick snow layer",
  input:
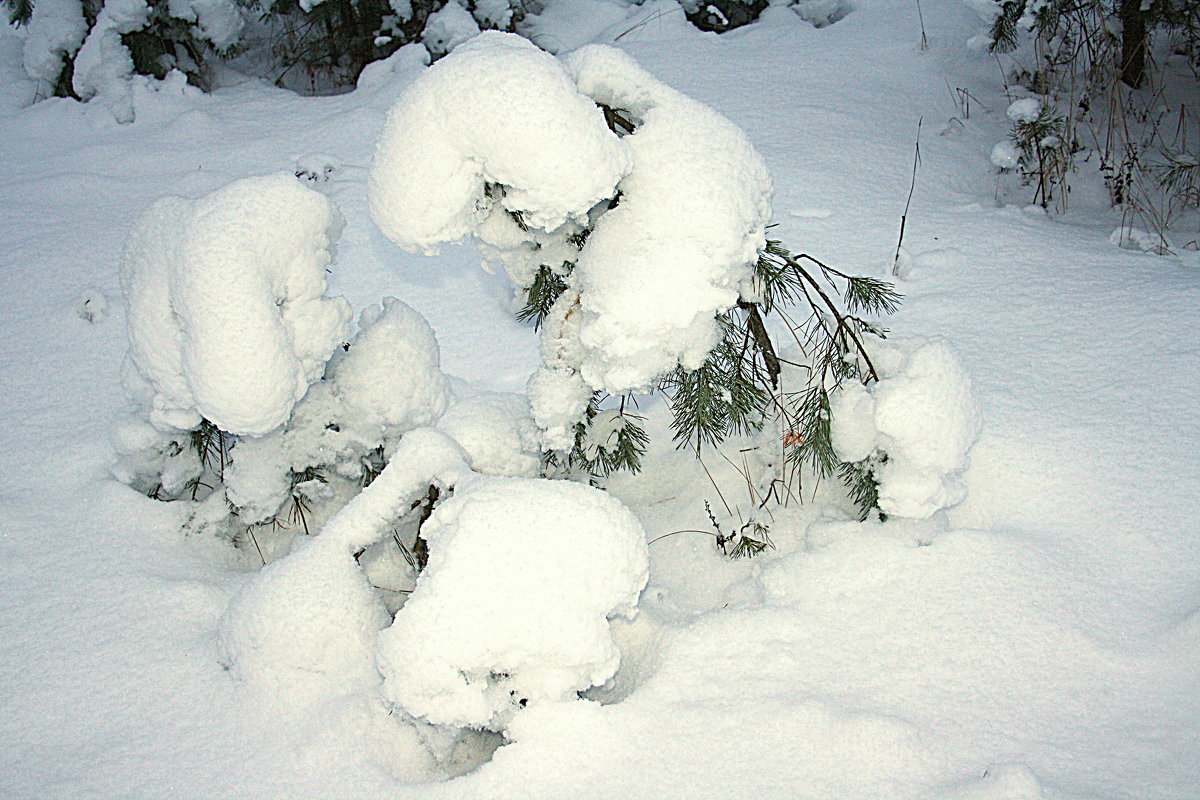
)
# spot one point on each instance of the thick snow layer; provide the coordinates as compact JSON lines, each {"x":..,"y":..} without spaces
{"x":447,"y":28}
{"x":496,"y":110}
{"x":1024,"y":110}
{"x":219,"y":22}
{"x":386,"y":384}
{"x":390,"y":376}
{"x":228,"y":317}
{"x":496,"y":431}
{"x":513,"y":607}
{"x":56,"y":30}
{"x":921,"y":415}
{"x":691,"y":220}
{"x":304,"y":630}
{"x":1005,"y":155}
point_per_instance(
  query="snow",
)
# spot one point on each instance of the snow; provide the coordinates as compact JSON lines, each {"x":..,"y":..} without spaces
{"x":496,"y":430}
{"x":1005,"y":155}
{"x":228,"y":315}
{"x":1024,"y":110}
{"x":544,"y":142}
{"x":478,"y":640}
{"x":1038,"y":640}
{"x":57,"y":27}
{"x":390,"y":375}
{"x":304,"y":630}
{"x":219,"y":22}
{"x":927,"y":421}
{"x":690,"y":222}
{"x":447,"y":28}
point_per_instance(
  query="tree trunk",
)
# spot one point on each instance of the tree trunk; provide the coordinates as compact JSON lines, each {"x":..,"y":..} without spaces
{"x":1133,"y":43}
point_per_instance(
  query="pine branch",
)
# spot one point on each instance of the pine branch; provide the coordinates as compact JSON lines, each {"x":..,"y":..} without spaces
{"x":541,"y":295}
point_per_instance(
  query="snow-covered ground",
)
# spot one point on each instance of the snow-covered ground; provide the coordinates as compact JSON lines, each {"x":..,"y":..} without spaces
{"x":1041,"y":639}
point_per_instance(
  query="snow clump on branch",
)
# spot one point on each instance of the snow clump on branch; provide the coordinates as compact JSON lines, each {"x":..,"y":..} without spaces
{"x":653,"y":233}
{"x":228,"y":318}
{"x":495,"y":111}
{"x":513,"y":607}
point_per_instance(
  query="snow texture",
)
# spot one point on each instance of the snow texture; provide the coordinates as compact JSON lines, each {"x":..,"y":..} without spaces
{"x":671,"y":255}
{"x":922,"y":415}
{"x":56,"y":29}
{"x":391,"y":376}
{"x":496,"y":431}
{"x":1024,"y":110}
{"x":387,"y":383}
{"x":447,"y":28}
{"x":1040,"y":640}
{"x":304,"y":630}
{"x":219,"y":22}
{"x":1005,"y":155}
{"x":493,"y":14}
{"x":228,"y":318}
{"x":498,"y":111}
{"x":656,"y":269}
{"x":513,"y":607}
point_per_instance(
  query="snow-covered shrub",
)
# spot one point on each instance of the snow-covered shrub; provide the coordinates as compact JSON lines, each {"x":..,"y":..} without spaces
{"x":478,"y":639}
{"x":513,"y":607}
{"x":228,"y":317}
{"x":632,"y":220}
{"x":305,"y":628}
{"x":1103,"y":104}
{"x":253,"y":407}
{"x":722,"y":15}
{"x":89,"y":50}
{"x":910,"y":431}
{"x":628,"y":248}
{"x":56,"y":30}
{"x":324,"y":45}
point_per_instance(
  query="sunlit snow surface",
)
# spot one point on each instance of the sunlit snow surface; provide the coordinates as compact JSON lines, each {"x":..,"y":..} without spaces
{"x":1039,"y":640}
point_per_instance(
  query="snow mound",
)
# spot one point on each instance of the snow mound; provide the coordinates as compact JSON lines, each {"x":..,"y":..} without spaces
{"x":1024,"y":110}
{"x":304,"y":629}
{"x":1005,"y":155}
{"x":513,"y":606}
{"x":671,"y":255}
{"x":497,"y":433}
{"x":391,"y":374}
{"x":495,"y":111}
{"x":922,"y":415}
{"x":228,"y":318}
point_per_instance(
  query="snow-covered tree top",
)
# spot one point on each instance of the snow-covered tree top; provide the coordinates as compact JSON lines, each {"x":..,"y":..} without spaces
{"x":503,"y":141}
{"x":228,"y":317}
{"x":497,"y":110}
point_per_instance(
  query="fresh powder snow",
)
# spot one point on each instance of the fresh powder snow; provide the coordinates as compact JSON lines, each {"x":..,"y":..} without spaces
{"x":1025,"y":624}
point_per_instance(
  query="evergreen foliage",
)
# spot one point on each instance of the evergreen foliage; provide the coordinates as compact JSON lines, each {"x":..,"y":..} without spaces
{"x":737,"y":388}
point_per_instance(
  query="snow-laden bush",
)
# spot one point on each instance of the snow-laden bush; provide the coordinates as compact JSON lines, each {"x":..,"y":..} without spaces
{"x":253,"y":407}
{"x":911,"y":429}
{"x":228,"y":318}
{"x":479,"y":638}
{"x":513,"y":607}
{"x":95,"y":50}
{"x":305,"y":628}
{"x":650,"y":236}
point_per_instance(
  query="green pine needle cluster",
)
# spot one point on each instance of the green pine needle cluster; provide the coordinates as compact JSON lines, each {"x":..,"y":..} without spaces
{"x":606,"y":441}
{"x":541,"y":295}
{"x":862,"y":485}
{"x":723,"y":397}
